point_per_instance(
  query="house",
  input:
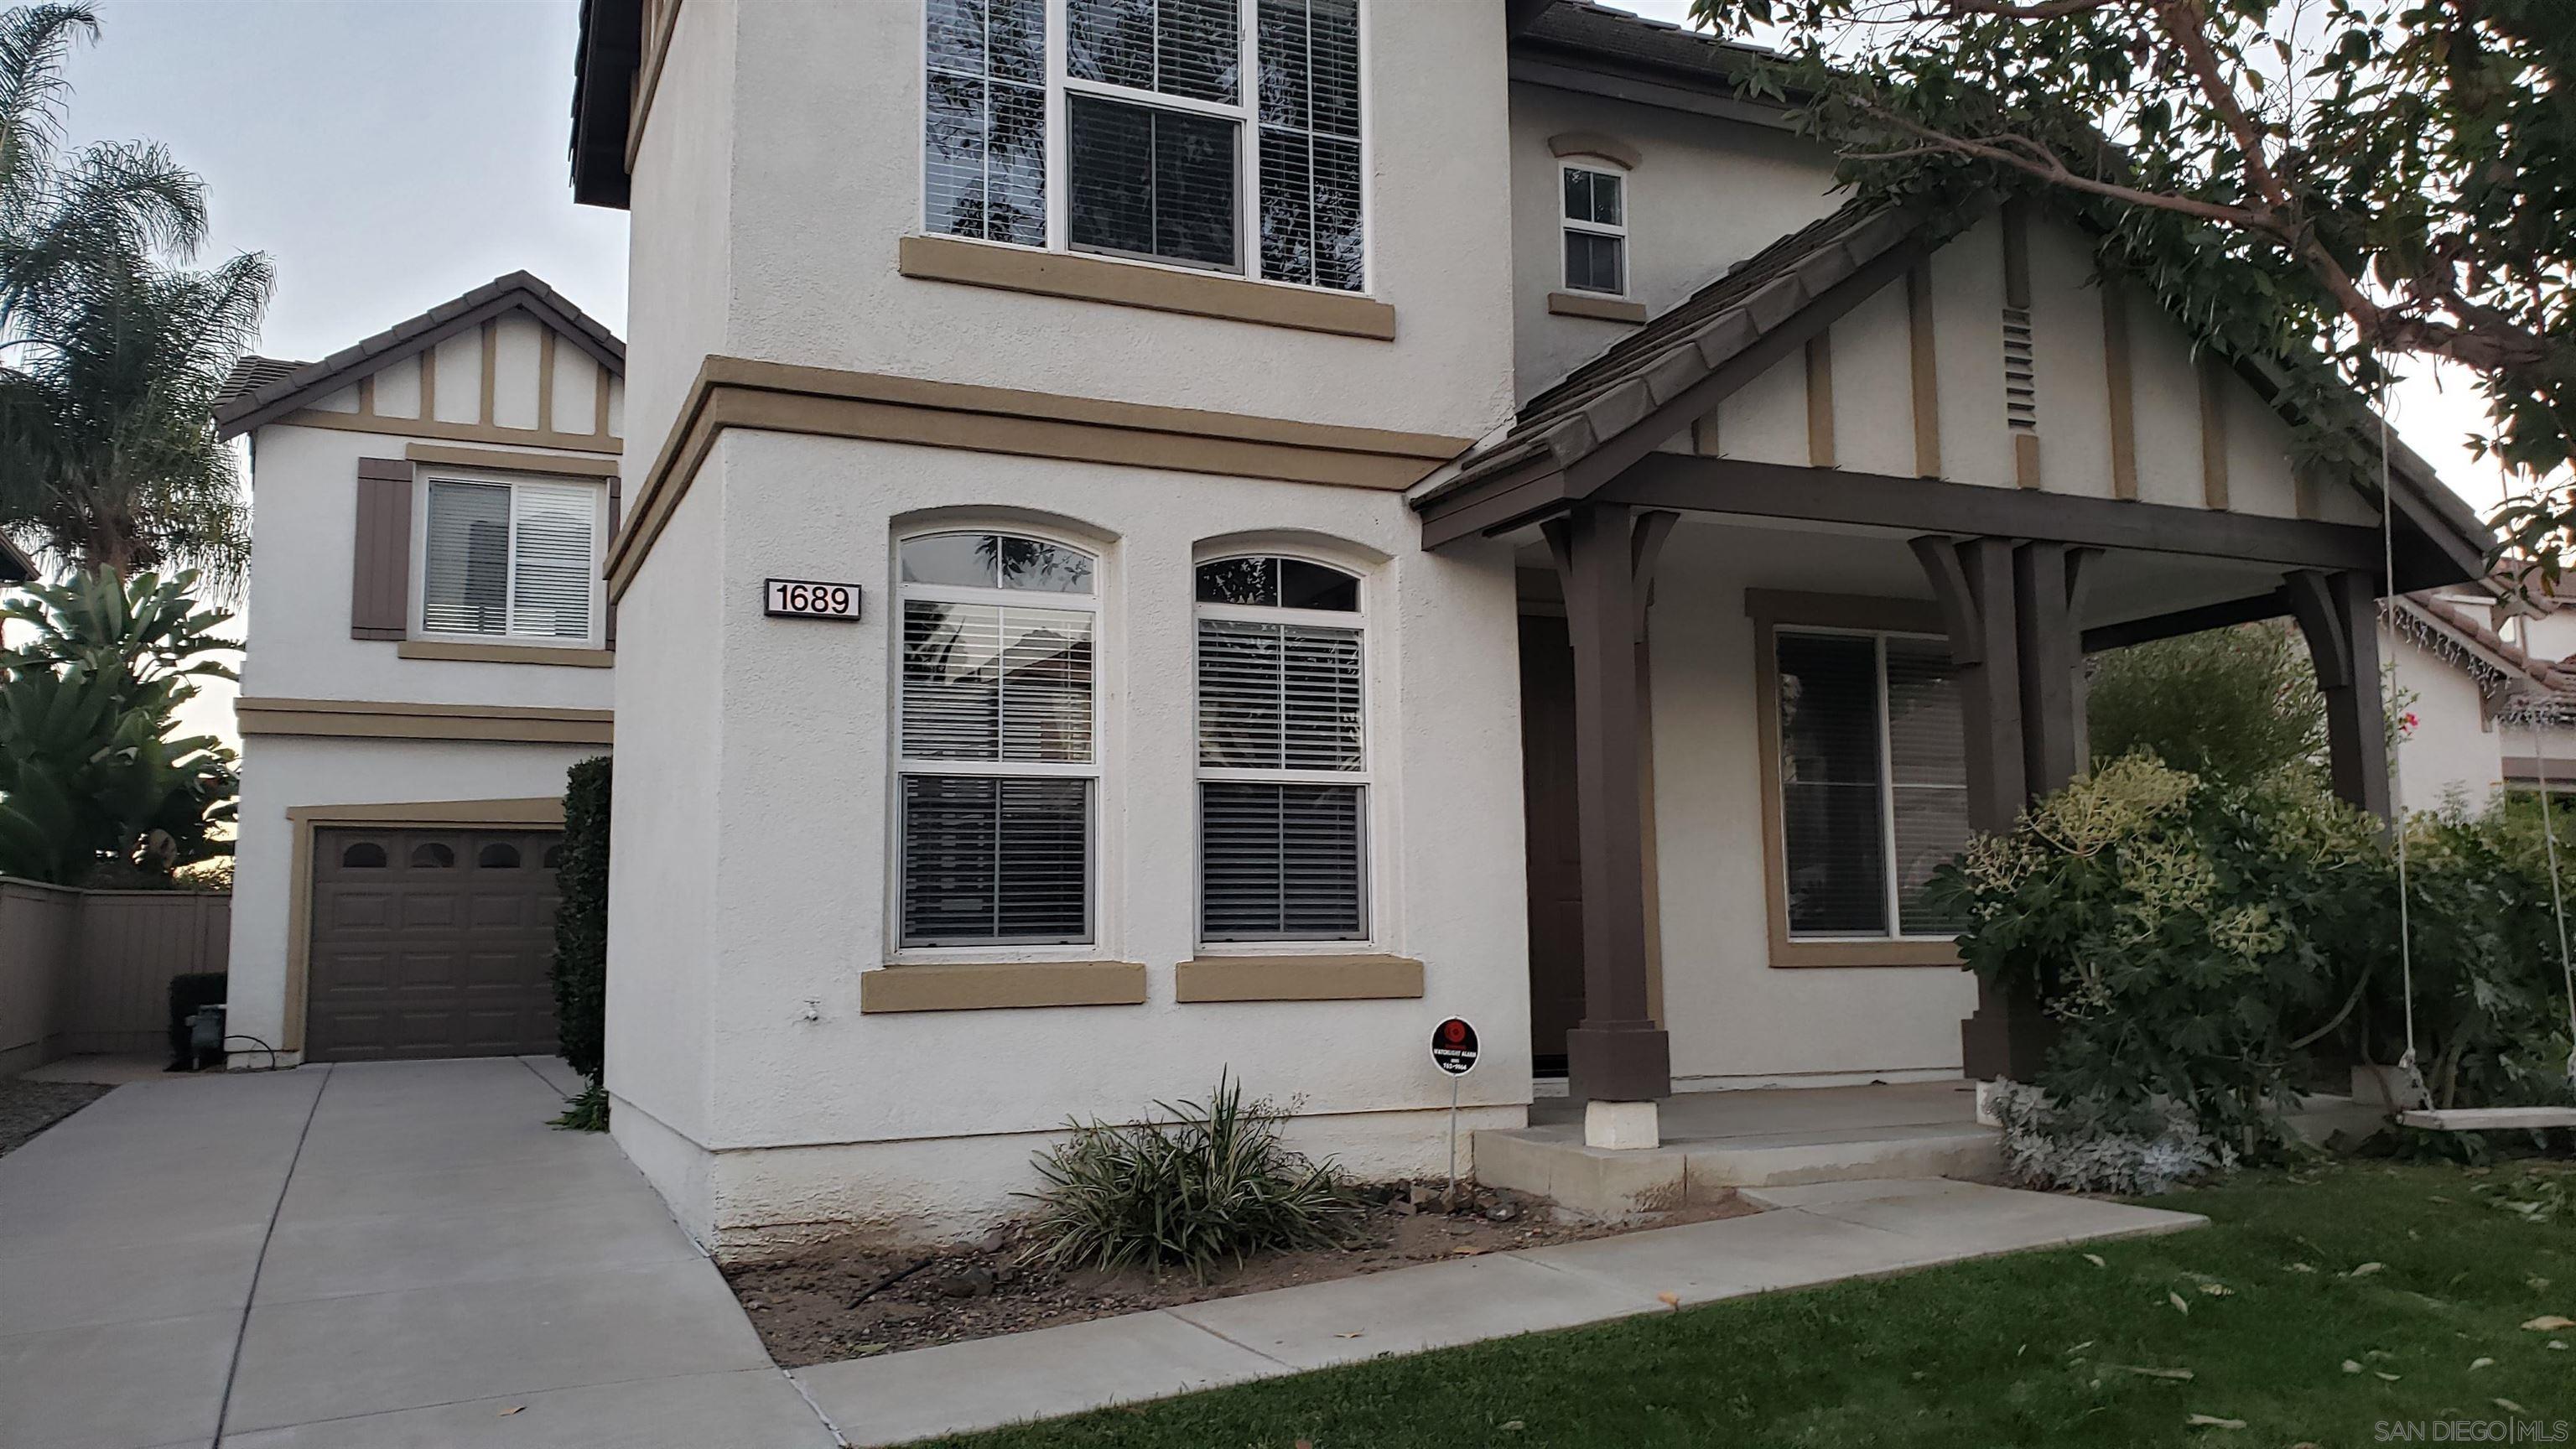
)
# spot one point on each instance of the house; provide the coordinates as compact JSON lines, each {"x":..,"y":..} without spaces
{"x":1358,"y":512}
{"x":2486,"y":694}
{"x":428,"y":653}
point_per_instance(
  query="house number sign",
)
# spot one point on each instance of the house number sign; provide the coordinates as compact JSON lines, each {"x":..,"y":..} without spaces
{"x":810,"y":599}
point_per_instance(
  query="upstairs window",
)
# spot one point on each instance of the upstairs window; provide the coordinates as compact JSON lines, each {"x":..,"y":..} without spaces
{"x":1596,"y":230}
{"x":1222,"y":135}
{"x":1873,"y":782}
{"x":1283,"y":757}
{"x":997,"y":764}
{"x":514,"y":559}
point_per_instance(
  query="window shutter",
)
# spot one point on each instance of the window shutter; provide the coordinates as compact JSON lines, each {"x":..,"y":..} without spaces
{"x":1280,"y":862}
{"x":380,"y":556}
{"x":616,"y":513}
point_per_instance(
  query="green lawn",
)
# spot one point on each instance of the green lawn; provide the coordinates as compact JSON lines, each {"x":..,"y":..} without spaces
{"x":2038,"y":1349}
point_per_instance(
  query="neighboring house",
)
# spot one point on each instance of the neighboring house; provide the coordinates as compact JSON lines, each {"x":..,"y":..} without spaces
{"x":2488,"y":699}
{"x":428,"y":653}
{"x":1467,"y":523}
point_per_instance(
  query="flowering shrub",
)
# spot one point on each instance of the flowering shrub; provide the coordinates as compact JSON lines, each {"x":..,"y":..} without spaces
{"x":2204,"y":948}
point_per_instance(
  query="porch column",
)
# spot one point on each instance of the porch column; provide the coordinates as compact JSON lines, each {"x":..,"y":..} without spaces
{"x":1981,"y":584}
{"x":1618,"y":1060}
{"x":2339,"y":615}
{"x":2047,"y":596}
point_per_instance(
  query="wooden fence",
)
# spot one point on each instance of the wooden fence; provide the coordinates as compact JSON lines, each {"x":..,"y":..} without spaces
{"x":89,"y":971}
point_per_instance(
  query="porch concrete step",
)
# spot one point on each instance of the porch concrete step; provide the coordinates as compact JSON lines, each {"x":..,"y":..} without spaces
{"x":1553,"y":1162}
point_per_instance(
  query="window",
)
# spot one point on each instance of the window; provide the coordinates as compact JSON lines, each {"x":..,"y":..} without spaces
{"x":511,"y":559}
{"x":1282,"y":752}
{"x":1165,"y":130}
{"x":997,"y":765}
{"x":430,"y":855}
{"x":1596,"y":230}
{"x":365,"y":855}
{"x":498,"y":856}
{"x":1873,"y":782}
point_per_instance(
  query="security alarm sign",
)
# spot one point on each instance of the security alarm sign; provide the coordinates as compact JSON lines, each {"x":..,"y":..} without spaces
{"x":810,"y":599}
{"x":1453,"y":1047}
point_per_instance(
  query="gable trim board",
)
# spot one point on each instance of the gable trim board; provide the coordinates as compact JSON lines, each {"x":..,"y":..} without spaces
{"x":303,"y":820}
{"x":291,"y":397}
{"x":734,"y":392}
{"x":378,"y":719}
{"x":511,"y":462}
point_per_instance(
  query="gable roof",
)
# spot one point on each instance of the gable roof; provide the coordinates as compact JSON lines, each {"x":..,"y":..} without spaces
{"x":259,"y":392}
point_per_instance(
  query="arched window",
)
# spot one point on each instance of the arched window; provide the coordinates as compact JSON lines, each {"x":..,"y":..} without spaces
{"x":363,"y":855}
{"x":1283,"y":757}
{"x":432,"y":855}
{"x":554,"y":857}
{"x":1596,"y":227}
{"x":499,"y":855}
{"x":997,"y":764}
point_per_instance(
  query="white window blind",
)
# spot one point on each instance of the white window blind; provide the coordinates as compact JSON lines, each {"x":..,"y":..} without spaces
{"x":997,"y":708}
{"x":1873,"y":772}
{"x":510,"y":559}
{"x":1282,"y":753}
{"x":1166,"y":152}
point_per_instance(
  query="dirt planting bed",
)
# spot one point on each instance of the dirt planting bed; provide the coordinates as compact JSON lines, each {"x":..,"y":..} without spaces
{"x":848,"y":1299}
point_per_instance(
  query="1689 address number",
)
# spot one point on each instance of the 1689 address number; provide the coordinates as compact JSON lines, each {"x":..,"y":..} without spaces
{"x":809,"y":599}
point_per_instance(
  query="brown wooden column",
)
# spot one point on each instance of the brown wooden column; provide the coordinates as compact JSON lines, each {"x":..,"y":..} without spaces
{"x":1605,"y":554}
{"x":2048,"y":583}
{"x":2340,"y":617}
{"x":1972,"y":579}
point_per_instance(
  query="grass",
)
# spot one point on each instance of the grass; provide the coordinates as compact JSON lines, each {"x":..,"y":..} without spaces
{"x":2038,"y":1349}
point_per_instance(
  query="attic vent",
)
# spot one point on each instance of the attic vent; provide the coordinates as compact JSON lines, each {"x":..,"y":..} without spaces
{"x":2021,"y":373}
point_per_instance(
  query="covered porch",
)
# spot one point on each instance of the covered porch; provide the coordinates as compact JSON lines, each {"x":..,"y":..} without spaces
{"x":1791,"y":454}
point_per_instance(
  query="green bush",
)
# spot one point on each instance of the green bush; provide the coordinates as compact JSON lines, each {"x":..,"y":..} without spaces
{"x":2217,"y":946}
{"x":1206,"y":1183}
{"x":581,"y":920}
{"x":2228,"y":704}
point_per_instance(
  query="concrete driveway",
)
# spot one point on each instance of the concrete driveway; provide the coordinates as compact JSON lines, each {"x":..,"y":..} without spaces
{"x":360,"y":1257}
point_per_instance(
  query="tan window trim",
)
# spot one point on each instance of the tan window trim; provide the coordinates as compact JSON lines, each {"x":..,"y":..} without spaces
{"x":1770,"y":609}
{"x":981,"y":986}
{"x":388,"y":719}
{"x":1298,"y":978}
{"x":505,"y":653}
{"x":515,"y":462}
{"x":1136,"y":284}
{"x":1600,"y":309}
{"x":539,"y":813}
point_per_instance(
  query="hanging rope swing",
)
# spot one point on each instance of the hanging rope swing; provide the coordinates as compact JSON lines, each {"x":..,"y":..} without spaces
{"x":2537,"y":718}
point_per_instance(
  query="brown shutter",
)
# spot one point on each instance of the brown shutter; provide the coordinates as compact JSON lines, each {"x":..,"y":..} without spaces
{"x":380,"y":561}
{"x":616,"y":501}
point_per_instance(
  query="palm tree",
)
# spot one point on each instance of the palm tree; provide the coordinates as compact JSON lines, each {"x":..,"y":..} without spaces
{"x":112,"y":348}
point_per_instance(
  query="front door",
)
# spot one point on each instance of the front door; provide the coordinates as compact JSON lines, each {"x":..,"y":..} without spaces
{"x":1555,"y":850}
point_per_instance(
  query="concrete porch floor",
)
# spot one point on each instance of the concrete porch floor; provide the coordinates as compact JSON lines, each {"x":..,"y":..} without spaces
{"x":1714,"y":1142}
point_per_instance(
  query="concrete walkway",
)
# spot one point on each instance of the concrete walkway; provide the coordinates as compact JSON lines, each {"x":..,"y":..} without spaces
{"x":1814,"y":1235}
{"x":362,"y":1257}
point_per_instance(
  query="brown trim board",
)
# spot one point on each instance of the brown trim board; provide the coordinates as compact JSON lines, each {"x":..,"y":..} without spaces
{"x":661,"y":23}
{"x":978,"y":986}
{"x":592,"y":443}
{"x":303,"y":820}
{"x":1599,"y":309}
{"x":1297,"y":978}
{"x":1137,"y":284}
{"x":733,"y":392}
{"x":458,"y":649}
{"x":369,"y":719}
{"x":586,"y":466}
{"x":1770,"y":610}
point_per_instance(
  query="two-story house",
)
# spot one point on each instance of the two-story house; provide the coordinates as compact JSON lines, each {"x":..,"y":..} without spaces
{"x":429,"y":653}
{"x":1361,"y":511}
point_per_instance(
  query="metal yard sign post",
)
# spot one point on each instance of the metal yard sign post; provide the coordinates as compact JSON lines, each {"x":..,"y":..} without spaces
{"x":1453,"y":1051}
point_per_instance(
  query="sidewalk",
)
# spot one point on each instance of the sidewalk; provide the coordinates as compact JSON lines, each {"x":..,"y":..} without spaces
{"x":1813,"y":1235}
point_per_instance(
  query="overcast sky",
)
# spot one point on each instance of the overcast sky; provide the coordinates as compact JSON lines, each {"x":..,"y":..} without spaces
{"x":390,"y":154}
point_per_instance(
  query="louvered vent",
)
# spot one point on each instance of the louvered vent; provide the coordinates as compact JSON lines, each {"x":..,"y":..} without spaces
{"x":2021,"y":373}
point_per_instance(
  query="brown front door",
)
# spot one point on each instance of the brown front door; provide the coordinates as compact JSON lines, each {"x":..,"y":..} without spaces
{"x":1555,"y":852}
{"x":431,"y":943}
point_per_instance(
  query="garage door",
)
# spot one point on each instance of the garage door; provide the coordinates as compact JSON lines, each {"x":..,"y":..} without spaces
{"x":431,"y":943}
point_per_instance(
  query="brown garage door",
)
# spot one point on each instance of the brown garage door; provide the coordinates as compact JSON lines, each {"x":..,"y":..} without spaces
{"x":431,"y":943}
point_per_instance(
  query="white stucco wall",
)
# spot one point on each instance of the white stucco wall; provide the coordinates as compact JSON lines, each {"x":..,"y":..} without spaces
{"x":790,"y":753}
{"x":279,"y":772}
{"x":2452,"y":754}
{"x":680,"y":278}
{"x":1735,"y":1020}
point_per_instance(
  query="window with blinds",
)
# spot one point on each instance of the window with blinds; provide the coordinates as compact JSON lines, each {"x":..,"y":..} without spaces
{"x":510,"y":559}
{"x":1596,"y":230}
{"x":1168,"y":152}
{"x":997,"y":715}
{"x":1283,"y":754}
{"x":1873,"y":781}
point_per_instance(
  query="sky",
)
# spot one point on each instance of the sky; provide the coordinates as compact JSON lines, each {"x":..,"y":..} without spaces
{"x":391,"y":154}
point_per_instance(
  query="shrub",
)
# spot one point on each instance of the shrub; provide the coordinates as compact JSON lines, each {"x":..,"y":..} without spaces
{"x":2072,"y":1148}
{"x":1205,"y":1183}
{"x":581,"y":920}
{"x":2228,"y":704}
